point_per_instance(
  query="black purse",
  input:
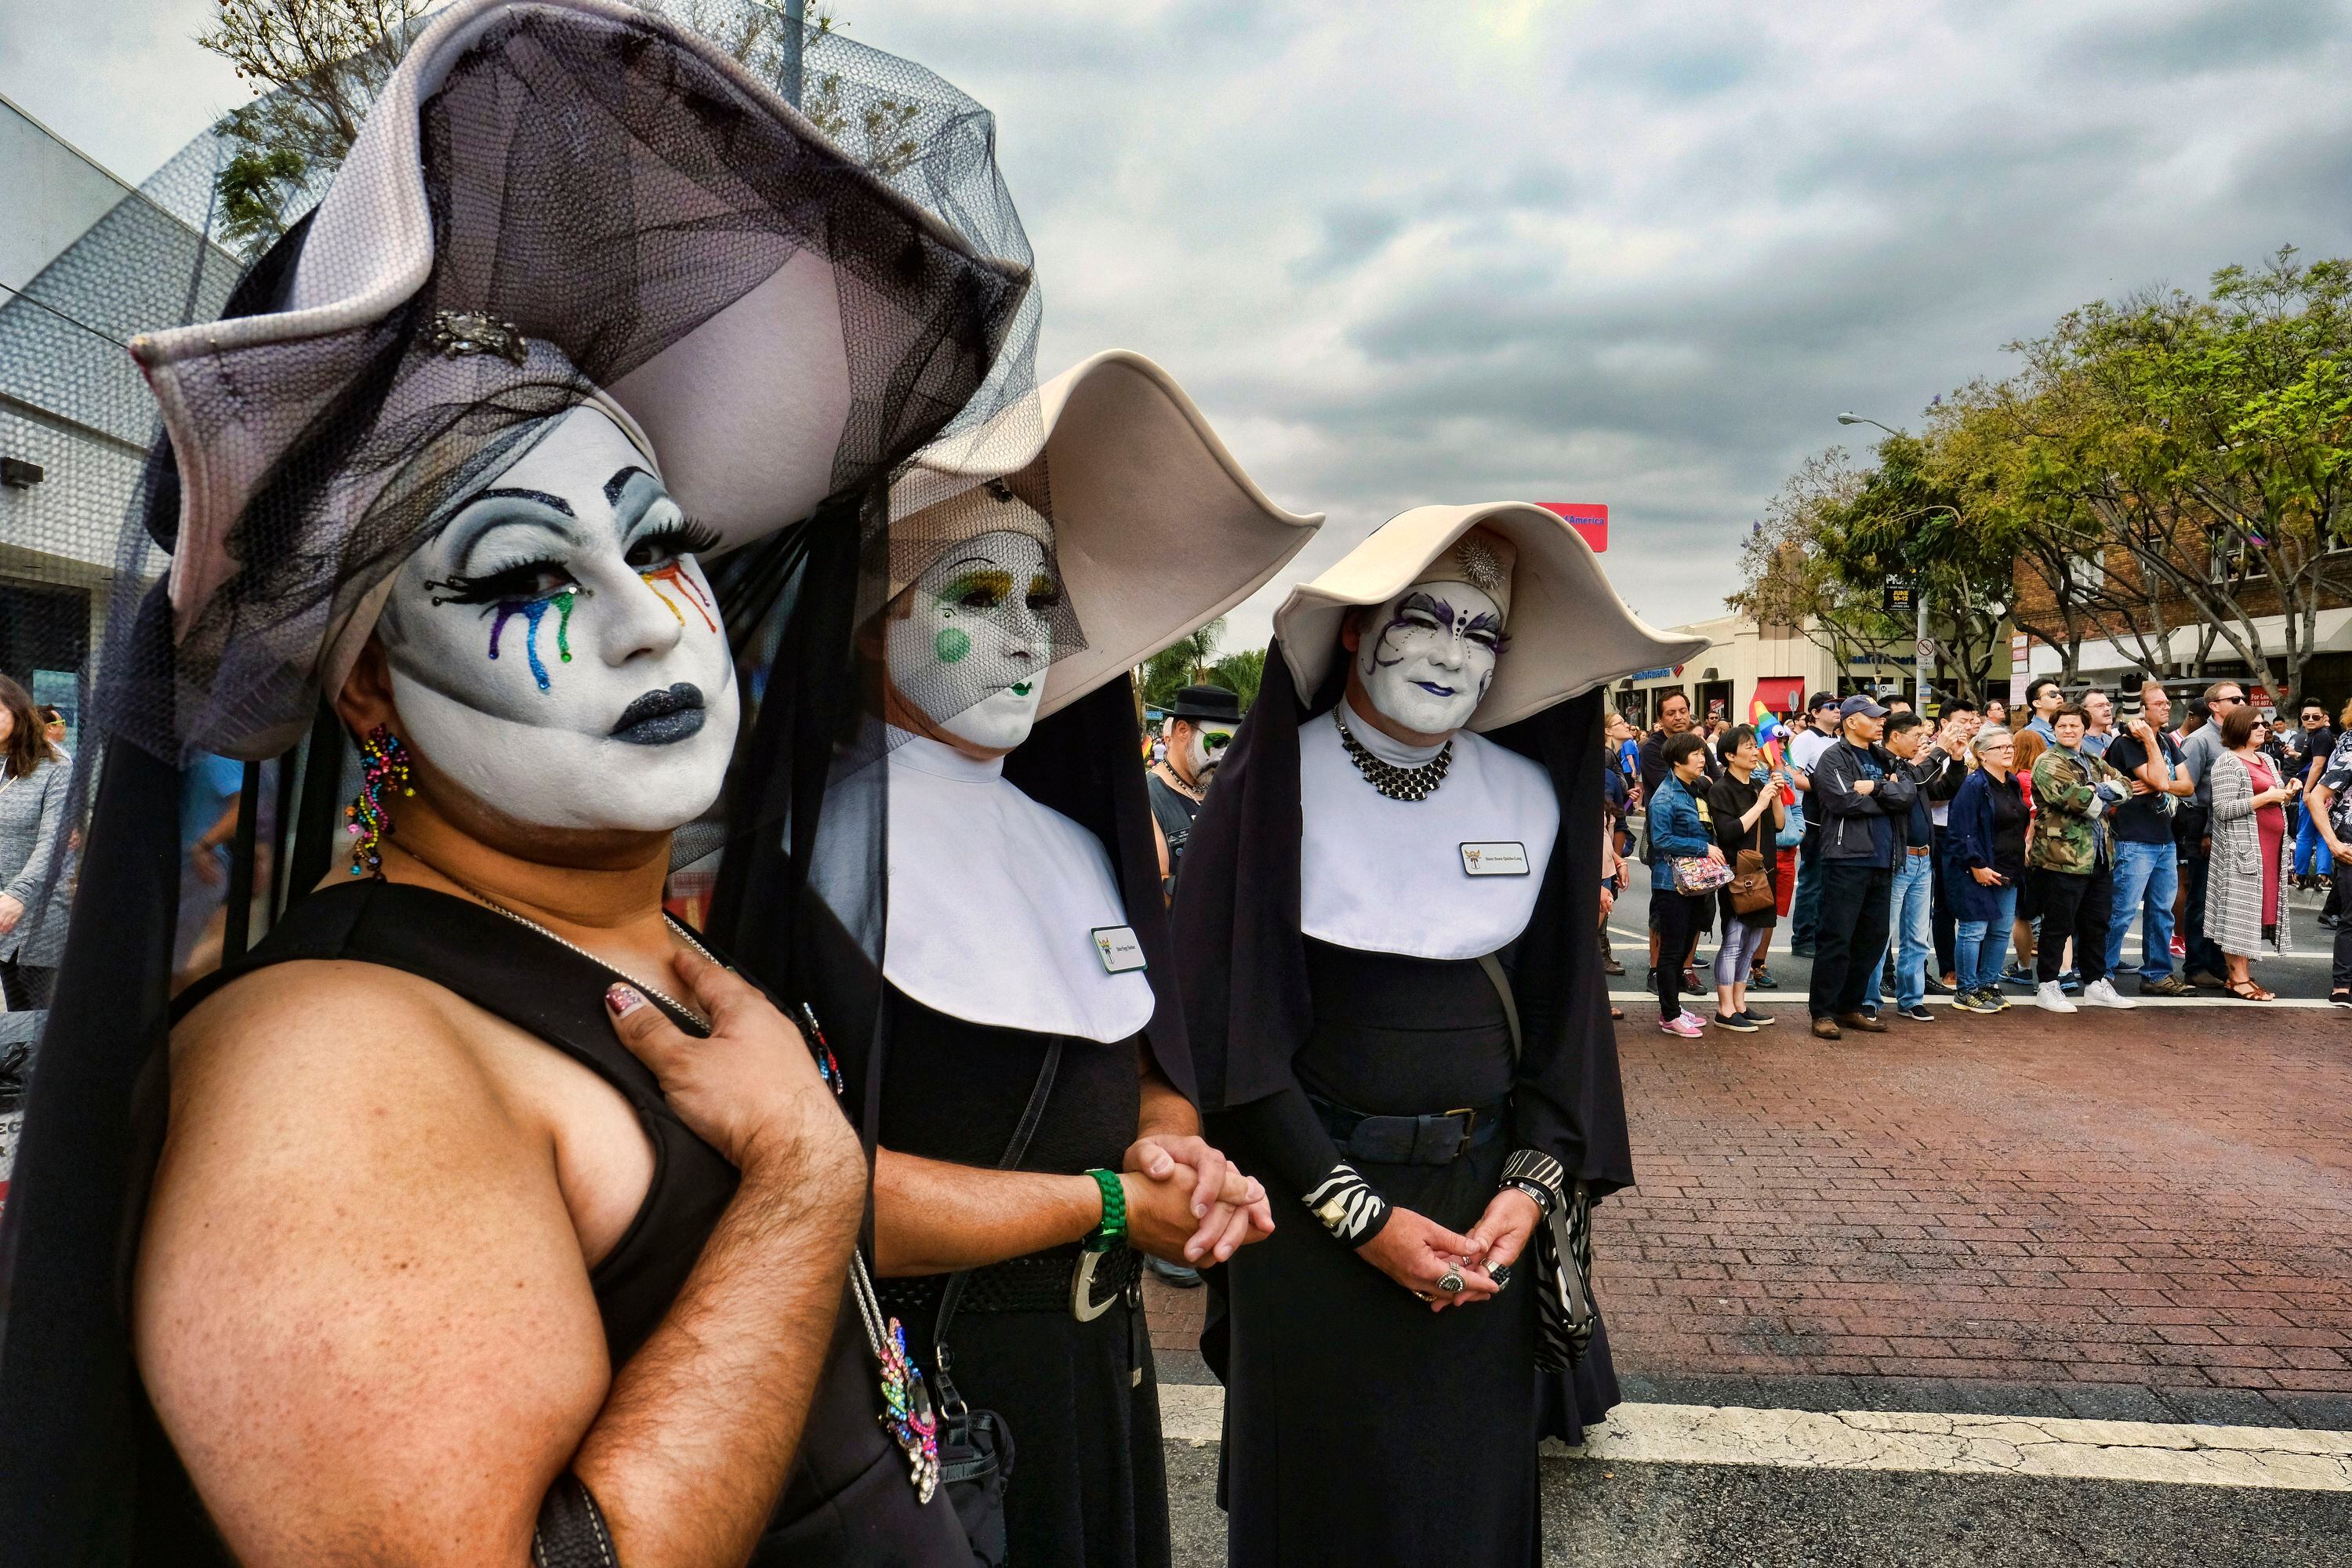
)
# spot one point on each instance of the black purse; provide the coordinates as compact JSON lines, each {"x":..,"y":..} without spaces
{"x":976,"y":1449}
{"x":1563,"y":1246}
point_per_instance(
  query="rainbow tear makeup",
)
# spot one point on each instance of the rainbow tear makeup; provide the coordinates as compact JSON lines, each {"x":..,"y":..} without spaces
{"x":532,"y":611}
{"x":675,"y":575}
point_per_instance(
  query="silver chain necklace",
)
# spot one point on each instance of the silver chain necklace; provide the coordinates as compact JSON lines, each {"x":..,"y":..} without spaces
{"x":525,"y":920}
{"x":1397,"y":784}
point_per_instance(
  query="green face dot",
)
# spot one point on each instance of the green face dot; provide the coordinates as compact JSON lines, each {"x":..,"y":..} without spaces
{"x":951,"y":645}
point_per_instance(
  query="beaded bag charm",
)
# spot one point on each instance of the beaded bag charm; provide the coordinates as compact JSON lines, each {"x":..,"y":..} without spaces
{"x":906,"y":1412}
{"x":385,"y":768}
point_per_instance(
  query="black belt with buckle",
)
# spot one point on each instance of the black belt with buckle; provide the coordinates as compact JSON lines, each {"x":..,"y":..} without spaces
{"x":1040,"y":1282}
{"x":1438,"y":1138}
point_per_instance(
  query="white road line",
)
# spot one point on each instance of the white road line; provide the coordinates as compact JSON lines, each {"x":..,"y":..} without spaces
{"x":2256,"y":1456}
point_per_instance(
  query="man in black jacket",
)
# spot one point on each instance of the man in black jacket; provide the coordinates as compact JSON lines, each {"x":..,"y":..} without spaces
{"x":1863,"y":796}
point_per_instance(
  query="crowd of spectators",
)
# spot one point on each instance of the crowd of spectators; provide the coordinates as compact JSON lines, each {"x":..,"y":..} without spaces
{"x":1917,"y":854}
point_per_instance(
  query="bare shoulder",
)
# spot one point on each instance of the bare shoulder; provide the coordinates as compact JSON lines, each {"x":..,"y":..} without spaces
{"x":351,"y":1240}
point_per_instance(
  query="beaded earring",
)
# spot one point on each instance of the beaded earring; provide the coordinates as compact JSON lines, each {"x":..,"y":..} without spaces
{"x":384,"y":766}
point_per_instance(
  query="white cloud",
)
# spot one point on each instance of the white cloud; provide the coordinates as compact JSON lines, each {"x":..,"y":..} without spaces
{"x":1640,"y":255}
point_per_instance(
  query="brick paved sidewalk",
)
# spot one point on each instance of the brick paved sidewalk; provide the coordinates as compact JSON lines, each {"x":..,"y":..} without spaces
{"x":2147,"y":1215}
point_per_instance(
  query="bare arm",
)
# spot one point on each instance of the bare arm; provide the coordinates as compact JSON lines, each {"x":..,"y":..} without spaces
{"x":1183,"y":1199}
{"x":364,"y":1312}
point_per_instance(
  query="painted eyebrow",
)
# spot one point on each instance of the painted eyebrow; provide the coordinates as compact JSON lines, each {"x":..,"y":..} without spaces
{"x":650,"y":494}
{"x":620,"y":481}
{"x":474,"y":520}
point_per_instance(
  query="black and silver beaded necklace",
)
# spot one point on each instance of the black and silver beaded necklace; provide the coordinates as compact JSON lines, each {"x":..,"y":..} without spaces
{"x":1397,"y":784}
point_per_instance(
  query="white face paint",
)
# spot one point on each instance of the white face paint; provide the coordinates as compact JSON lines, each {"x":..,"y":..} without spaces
{"x":1428,"y":655}
{"x":555,"y":649}
{"x":1198,"y":757}
{"x":972,"y":650}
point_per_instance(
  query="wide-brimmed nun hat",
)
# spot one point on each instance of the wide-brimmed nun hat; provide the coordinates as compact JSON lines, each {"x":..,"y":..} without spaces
{"x":1154,"y":528}
{"x":1569,"y":630}
{"x":555,"y":203}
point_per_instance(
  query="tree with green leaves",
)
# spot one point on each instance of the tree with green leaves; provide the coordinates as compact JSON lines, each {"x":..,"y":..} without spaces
{"x":1241,"y":673}
{"x":1791,"y":576}
{"x":1184,"y":662}
{"x":316,"y":66}
{"x":2213,"y":440}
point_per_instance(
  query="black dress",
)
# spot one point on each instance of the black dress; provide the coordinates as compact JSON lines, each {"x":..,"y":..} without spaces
{"x":1089,"y":1487}
{"x":1359,"y":1426}
{"x":847,"y":1500}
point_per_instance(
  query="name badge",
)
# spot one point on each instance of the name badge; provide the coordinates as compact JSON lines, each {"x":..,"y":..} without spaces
{"x":1120,"y":951}
{"x":1509,"y":859}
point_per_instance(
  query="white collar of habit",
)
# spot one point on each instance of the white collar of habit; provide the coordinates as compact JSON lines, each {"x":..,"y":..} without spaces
{"x":1387,"y":876}
{"x":994,"y":899}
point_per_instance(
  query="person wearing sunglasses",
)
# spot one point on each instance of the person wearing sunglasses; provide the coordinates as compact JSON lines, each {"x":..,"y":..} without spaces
{"x":1199,"y":728}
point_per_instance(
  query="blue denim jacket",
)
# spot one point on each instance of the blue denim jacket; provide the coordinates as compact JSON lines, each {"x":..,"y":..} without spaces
{"x":1674,"y":824}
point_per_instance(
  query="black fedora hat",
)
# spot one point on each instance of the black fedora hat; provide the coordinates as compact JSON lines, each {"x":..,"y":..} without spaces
{"x":1214,"y":703}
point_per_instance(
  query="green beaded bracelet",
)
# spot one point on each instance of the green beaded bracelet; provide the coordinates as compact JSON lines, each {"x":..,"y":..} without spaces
{"x":1112,"y":1231}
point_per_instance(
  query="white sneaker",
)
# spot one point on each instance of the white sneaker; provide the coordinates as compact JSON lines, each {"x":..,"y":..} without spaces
{"x":2050,"y":998}
{"x":2103,"y":994}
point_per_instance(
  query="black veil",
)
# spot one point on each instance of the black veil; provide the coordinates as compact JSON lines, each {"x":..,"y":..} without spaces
{"x":366,"y":440}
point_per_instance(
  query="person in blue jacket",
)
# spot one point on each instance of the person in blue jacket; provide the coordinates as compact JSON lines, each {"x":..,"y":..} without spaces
{"x":1984,"y":867}
{"x":1676,"y":830}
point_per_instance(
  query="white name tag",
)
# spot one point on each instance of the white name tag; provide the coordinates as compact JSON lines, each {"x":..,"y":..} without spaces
{"x":1506,"y":859}
{"x":1120,"y":951}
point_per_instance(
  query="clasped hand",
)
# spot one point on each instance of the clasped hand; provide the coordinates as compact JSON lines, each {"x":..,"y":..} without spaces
{"x":1185,"y":1200}
{"x":1417,"y":1252}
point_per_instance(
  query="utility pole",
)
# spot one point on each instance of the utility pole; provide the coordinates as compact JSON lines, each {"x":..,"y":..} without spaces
{"x":794,"y":10}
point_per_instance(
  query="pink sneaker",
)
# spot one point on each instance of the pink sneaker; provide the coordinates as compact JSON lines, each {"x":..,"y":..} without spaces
{"x":2179,"y":948}
{"x":1690,"y":1027}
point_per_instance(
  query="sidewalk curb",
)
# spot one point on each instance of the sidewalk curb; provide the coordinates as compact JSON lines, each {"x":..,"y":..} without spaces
{"x":2273,"y":1457}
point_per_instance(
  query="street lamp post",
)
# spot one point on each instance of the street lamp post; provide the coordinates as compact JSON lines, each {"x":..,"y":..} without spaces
{"x":1921,"y":658}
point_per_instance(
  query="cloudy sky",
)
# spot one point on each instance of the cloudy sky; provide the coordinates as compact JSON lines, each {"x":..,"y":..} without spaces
{"x":1635,"y":254}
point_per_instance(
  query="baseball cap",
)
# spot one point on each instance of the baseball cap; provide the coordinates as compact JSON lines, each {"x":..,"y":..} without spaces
{"x":1821,"y":699}
{"x":1858,"y":703}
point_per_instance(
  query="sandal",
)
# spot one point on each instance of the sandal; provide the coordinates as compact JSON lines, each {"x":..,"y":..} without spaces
{"x":1617,"y":1014}
{"x":2247,"y":990}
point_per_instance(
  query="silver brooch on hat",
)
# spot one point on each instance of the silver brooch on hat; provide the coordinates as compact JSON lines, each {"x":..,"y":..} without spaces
{"x":1480,"y":564}
{"x":457,"y":333}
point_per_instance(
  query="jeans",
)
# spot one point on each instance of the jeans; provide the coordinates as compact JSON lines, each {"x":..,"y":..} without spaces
{"x":1981,"y":946}
{"x":1740,"y":944}
{"x":1853,"y":936}
{"x":2311,"y":850}
{"x":2146,"y":876}
{"x":2079,"y":907}
{"x":1907,"y":929}
{"x":1805,"y":908}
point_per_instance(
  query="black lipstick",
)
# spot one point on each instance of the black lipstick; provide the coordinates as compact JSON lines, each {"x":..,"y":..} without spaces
{"x":662,"y":718}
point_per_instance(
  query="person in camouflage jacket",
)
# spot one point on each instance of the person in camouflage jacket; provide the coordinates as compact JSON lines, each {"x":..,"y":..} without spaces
{"x":2066,"y":836}
{"x":2071,"y":864}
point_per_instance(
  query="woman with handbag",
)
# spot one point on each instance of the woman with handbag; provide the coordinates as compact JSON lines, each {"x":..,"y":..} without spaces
{"x":1686,"y":868}
{"x":1745,"y":804}
{"x":1398,"y":1016}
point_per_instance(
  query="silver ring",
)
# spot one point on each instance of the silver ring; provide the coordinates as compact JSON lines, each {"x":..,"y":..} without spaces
{"x":1450,"y":1282}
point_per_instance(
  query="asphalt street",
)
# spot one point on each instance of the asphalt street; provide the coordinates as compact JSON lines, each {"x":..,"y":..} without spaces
{"x":1625,"y":1515}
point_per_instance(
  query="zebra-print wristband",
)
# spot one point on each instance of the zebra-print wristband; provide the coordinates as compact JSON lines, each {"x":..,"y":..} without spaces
{"x":1348,"y":1205}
